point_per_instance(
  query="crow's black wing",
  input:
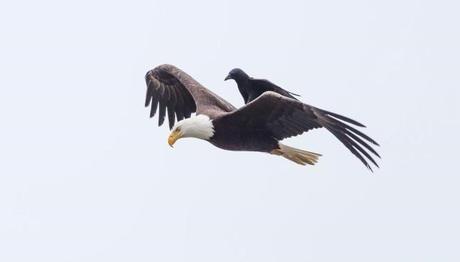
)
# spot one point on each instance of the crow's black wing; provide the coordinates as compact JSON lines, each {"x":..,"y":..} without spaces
{"x":265,"y":85}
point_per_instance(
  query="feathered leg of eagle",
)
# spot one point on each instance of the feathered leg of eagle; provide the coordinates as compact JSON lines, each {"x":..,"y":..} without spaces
{"x":299,"y":156}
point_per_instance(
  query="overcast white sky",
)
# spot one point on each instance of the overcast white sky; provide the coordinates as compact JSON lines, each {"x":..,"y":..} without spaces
{"x":85,"y":175}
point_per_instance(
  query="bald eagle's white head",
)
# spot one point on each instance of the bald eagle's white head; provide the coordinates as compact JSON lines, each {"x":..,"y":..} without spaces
{"x":199,"y":126}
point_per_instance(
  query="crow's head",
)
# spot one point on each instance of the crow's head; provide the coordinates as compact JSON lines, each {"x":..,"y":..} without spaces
{"x":237,"y":75}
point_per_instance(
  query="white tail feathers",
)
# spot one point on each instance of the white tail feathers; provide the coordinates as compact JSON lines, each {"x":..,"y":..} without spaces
{"x":299,"y":156}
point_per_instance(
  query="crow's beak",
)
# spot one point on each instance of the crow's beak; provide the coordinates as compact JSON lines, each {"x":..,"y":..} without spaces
{"x":227,"y":78}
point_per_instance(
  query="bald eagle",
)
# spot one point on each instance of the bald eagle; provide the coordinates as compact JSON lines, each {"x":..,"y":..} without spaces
{"x":259,"y":125}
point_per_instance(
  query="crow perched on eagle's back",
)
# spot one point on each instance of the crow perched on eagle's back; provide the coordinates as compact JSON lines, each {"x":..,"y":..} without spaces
{"x":251,"y":88}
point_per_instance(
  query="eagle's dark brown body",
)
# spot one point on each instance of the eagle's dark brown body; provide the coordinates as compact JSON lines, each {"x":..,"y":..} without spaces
{"x":239,"y":139}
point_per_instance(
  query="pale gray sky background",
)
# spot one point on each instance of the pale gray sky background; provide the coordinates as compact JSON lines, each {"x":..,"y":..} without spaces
{"x":85,"y":175}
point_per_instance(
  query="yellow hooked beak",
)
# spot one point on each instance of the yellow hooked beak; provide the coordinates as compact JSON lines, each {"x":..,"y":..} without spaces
{"x":173,"y":137}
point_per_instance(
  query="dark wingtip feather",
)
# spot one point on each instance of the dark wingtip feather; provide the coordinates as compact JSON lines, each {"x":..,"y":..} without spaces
{"x":148,"y":96}
{"x":341,"y":137}
{"x":161,"y":113}
{"x":171,"y":117}
{"x":361,"y":134}
{"x":361,"y":142}
{"x":343,"y":118}
{"x":364,"y":152}
{"x":346,"y":134}
{"x":354,"y":130}
{"x":154,"y":103}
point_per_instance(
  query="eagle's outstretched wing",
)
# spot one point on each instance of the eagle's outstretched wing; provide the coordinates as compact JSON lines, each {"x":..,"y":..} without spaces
{"x":171,"y":89}
{"x":285,"y":117}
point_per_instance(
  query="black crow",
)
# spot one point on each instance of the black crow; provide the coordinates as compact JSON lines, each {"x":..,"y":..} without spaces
{"x":251,"y":88}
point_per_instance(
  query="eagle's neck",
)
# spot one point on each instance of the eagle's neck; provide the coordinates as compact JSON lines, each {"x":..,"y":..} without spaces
{"x":199,"y":126}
